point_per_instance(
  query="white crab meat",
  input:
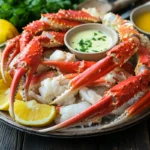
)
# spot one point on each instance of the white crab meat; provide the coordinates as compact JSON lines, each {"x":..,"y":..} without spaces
{"x":51,"y":88}
{"x":115,"y":76}
{"x":67,"y":112}
{"x":59,"y":55}
{"x":89,"y":95}
{"x":120,"y":110}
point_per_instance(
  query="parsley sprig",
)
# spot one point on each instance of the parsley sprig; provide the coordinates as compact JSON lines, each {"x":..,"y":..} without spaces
{"x":21,"y":12}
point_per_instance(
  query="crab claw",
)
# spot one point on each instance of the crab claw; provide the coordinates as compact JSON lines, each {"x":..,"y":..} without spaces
{"x":25,"y":66}
{"x":12,"y":48}
{"x":19,"y":73}
{"x":69,"y":67}
{"x":52,"y":39}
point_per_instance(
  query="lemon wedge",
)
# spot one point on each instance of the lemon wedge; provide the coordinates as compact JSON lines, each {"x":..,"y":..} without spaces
{"x":4,"y":100}
{"x":8,"y":78}
{"x":5,"y":85}
{"x":31,"y":113}
{"x":7,"y":30}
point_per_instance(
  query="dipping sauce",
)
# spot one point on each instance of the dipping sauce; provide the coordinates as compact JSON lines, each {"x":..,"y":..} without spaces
{"x":143,"y":21}
{"x":90,"y":41}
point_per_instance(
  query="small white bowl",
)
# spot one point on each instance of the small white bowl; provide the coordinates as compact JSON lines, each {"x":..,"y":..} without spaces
{"x":90,"y":56}
{"x":138,"y":11}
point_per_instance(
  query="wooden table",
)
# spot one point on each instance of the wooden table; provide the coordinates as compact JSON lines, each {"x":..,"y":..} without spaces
{"x":134,"y":138}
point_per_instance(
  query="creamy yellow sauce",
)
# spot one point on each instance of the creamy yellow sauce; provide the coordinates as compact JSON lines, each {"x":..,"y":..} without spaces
{"x":90,"y":41}
{"x":143,"y":21}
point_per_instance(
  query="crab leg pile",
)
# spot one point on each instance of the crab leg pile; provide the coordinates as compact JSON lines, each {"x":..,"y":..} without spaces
{"x":23,"y":57}
{"x":121,"y":93}
{"x":28,"y":48}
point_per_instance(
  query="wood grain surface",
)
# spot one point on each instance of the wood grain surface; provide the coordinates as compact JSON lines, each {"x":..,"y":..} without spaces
{"x":134,"y":138}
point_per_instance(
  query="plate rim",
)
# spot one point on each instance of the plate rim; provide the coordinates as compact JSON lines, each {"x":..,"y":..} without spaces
{"x":118,"y":128}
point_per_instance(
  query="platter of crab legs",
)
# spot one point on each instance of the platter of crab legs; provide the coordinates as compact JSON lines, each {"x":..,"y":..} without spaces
{"x":90,"y":97}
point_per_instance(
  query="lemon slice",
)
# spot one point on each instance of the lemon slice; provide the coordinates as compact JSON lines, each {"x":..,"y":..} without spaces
{"x":4,"y":100}
{"x":32,"y":113}
{"x":7,"y":30}
{"x":18,"y":96}
{"x":5,"y":85}
{"x":8,"y":78}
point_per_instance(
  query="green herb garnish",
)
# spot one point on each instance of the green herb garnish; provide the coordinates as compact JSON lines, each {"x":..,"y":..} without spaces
{"x":21,"y":12}
{"x":94,"y":50}
{"x":95,"y":33}
{"x":94,"y":39}
{"x":85,"y":45}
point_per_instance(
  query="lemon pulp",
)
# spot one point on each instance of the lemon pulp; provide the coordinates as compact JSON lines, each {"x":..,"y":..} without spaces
{"x":32,"y":113}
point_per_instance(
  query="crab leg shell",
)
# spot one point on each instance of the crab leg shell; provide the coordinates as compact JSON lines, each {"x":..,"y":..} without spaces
{"x":25,"y":38}
{"x":26,"y":65}
{"x":69,"y":67}
{"x":138,"y":107}
{"x":19,"y":73}
{"x":143,"y":59}
{"x":41,"y":76}
{"x":115,"y":76}
{"x":12,"y":48}
{"x":48,"y":22}
{"x":125,"y":50}
{"x":81,"y":15}
{"x":93,"y":73}
{"x":141,"y":105}
{"x":58,"y":23}
{"x":52,"y":39}
{"x":128,"y":67}
{"x":37,"y":27}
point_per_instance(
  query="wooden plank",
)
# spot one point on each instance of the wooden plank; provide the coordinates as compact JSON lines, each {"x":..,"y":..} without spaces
{"x":10,"y":139}
{"x":32,"y":142}
{"x":135,"y":138}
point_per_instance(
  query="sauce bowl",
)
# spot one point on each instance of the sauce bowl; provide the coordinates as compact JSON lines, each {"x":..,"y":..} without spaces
{"x":137,"y":12}
{"x":91,"y":56}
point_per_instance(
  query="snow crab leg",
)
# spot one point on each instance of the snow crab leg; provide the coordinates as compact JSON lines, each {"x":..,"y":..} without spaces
{"x":69,"y":67}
